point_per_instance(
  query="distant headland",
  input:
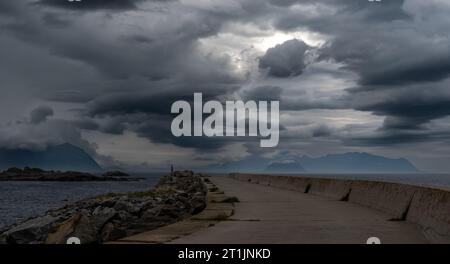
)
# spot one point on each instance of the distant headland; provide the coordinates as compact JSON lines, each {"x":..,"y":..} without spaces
{"x":37,"y":174}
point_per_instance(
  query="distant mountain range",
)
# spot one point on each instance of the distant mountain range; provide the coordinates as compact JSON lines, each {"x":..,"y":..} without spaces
{"x":285,"y":166}
{"x":352,"y":162}
{"x":65,"y":157}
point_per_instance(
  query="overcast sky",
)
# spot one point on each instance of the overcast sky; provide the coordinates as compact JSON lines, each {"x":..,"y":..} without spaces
{"x":351,"y":75}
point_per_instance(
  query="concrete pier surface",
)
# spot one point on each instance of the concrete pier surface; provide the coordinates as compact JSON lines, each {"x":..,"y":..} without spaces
{"x":266,"y":214}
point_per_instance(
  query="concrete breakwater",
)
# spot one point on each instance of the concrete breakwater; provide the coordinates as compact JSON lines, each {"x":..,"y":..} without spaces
{"x":113,"y":216}
{"x":427,"y":207}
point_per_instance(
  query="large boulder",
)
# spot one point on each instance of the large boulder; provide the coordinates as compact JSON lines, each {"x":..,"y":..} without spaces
{"x":31,"y":231}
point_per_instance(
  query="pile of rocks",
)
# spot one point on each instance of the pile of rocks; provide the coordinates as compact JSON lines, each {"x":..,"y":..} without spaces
{"x":112,"y":216}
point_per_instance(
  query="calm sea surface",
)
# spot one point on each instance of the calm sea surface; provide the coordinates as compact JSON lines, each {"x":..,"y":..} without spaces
{"x":21,"y":200}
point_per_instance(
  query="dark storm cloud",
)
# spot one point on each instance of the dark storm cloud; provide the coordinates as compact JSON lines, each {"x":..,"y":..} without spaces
{"x":384,"y":140}
{"x":407,"y":118}
{"x":285,"y":60}
{"x":133,"y":70}
{"x":284,"y":3}
{"x":86,"y":124}
{"x":71,"y":96}
{"x":92,"y":4}
{"x":125,"y":73}
{"x":38,"y":132}
{"x":430,"y":69}
{"x":152,"y":103}
{"x":408,"y":111}
{"x":376,"y":12}
{"x":274,"y":93}
{"x":344,"y":14}
{"x":55,"y":20}
{"x":322,"y":131}
{"x":38,"y":136}
{"x":404,"y":123}
{"x":263,"y":93}
{"x":122,"y":59}
{"x":149,"y":116}
{"x":140,"y":39}
{"x":120,"y":104}
{"x":115,"y":126}
{"x":157,"y":128}
{"x":8,"y":7}
{"x":391,"y":138}
{"x":402,"y":64}
{"x":382,"y":53}
{"x":114,"y":60}
{"x":399,"y":59}
{"x":307,"y":104}
{"x":40,"y":114}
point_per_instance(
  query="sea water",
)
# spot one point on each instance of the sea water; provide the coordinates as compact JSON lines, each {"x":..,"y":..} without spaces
{"x":20,"y":200}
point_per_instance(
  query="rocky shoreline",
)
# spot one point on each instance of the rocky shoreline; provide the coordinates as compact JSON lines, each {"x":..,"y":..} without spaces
{"x":36,"y":174}
{"x":113,"y":216}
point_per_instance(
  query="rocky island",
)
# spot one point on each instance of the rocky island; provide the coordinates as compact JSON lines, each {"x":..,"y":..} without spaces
{"x":113,"y":216}
{"x":115,"y":174}
{"x":36,"y":174}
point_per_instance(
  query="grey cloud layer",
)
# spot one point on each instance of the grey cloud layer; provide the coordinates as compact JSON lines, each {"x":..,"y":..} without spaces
{"x":402,"y":63}
{"x":92,"y":4}
{"x":124,"y":62}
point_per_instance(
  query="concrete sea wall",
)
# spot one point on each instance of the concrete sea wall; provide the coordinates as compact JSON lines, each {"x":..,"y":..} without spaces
{"x":427,"y":207}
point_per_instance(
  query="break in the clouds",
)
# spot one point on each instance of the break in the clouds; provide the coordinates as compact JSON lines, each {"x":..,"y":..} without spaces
{"x":350,"y":75}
